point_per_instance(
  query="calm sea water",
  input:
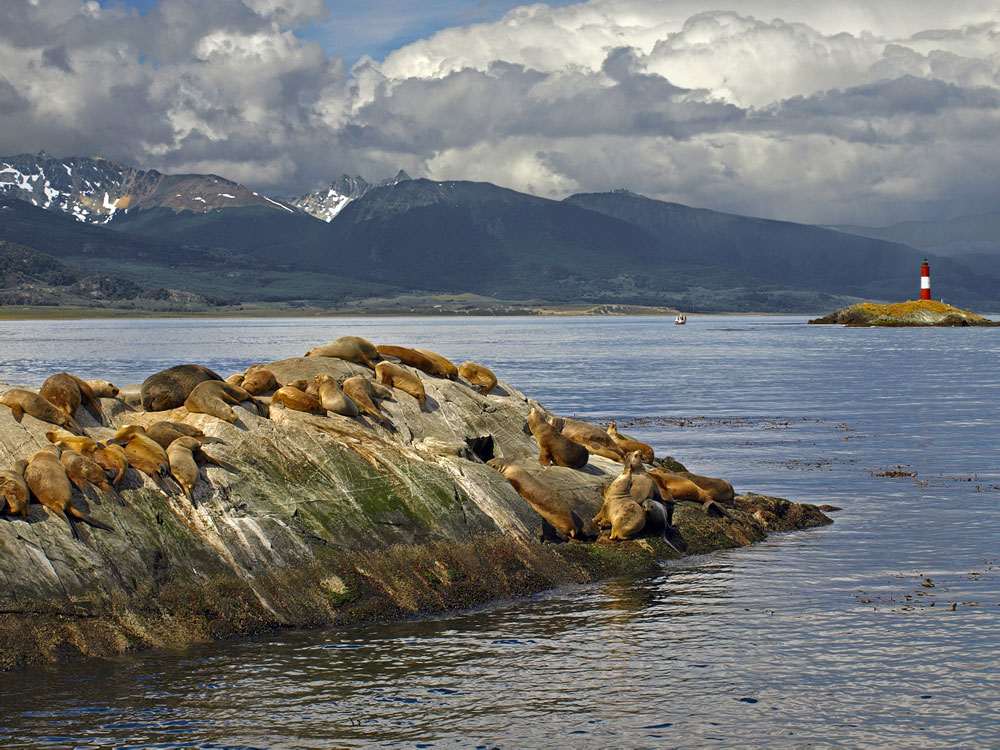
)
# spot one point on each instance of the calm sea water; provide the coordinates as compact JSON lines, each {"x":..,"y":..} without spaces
{"x":880,"y":630}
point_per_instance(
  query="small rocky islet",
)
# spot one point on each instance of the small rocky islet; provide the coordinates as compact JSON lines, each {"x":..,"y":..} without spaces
{"x":345,"y":500}
{"x":922,"y":312}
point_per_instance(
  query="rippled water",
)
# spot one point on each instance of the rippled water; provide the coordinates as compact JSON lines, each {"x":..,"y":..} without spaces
{"x":882,"y":629}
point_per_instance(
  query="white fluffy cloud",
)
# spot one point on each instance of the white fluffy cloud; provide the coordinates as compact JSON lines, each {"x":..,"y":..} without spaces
{"x":854,"y":111}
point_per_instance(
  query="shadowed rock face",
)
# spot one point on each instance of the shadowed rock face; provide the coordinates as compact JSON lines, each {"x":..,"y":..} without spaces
{"x":321,"y":520}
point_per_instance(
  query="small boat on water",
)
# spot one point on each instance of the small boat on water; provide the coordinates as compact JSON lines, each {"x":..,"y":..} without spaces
{"x":681,"y":319}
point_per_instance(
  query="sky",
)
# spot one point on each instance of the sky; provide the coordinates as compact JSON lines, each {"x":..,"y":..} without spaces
{"x":846,"y":112}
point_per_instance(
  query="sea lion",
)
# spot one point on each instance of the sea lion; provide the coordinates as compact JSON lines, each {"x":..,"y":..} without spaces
{"x":23,"y":402}
{"x":169,"y":388}
{"x":236,"y":379}
{"x":103,"y":389}
{"x":479,"y":376}
{"x":361,"y":391}
{"x":333,"y":398}
{"x":414,"y":358}
{"x":111,"y":457}
{"x":395,"y":376}
{"x":721,"y":490}
{"x":49,"y":484}
{"x":14,"y":492}
{"x":67,"y":392}
{"x":258,"y":381}
{"x":627,"y":444}
{"x":625,"y":516}
{"x":79,"y":443}
{"x":165,"y":432}
{"x":678,"y":487}
{"x":142,"y":451}
{"x":555,"y":448}
{"x":590,"y":436}
{"x":643,"y":485}
{"x":449,"y":368}
{"x":660,"y":521}
{"x":83,"y":472}
{"x":293,"y":398}
{"x":547,"y":502}
{"x":183,"y":467}
{"x":350,"y":348}
{"x":213,"y":396}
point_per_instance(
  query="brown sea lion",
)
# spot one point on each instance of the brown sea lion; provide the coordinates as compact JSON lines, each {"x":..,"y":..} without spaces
{"x":259,"y":381}
{"x":50,"y":486}
{"x":626,"y":444}
{"x":449,"y":368}
{"x":67,"y":440}
{"x":350,"y":348}
{"x":479,"y":376}
{"x":590,"y":436}
{"x":14,"y":492}
{"x":719,"y":489}
{"x":395,"y":376}
{"x":361,"y":391}
{"x":169,"y":388}
{"x":625,"y":516}
{"x":643,"y":485}
{"x":414,"y":358}
{"x":111,"y":457}
{"x":23,"y":402}
{"x":555,"y":448}
{"x":236,"y":379}
{"x":165,"y":432}
{"x":214,"y":396}
{"x":103,"y":389}
{"x":678,"y":487}
{"x":293,"y":398}
{"x":142,"y":451}
{"x":333,"y":398}
{"x":83,"y":472}
{"x":183,"y":466}
{"x":67,"y":392}
{"x":548,"y":503}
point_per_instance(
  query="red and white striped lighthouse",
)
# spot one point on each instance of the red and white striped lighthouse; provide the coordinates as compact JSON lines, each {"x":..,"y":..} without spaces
{"x":925,"y":280}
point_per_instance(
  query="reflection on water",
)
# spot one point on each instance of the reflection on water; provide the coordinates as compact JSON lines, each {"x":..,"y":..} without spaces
{"x":883,"y":629}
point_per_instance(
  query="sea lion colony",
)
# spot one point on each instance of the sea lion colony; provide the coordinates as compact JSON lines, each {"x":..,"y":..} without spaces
{"x":638,"y":501}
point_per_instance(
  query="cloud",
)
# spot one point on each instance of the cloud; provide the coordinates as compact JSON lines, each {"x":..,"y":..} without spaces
{"x":855,"y":111}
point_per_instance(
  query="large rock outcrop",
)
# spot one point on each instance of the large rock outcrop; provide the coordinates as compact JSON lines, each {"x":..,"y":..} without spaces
{"x":923,"y":312}
{"x":316,"y":520}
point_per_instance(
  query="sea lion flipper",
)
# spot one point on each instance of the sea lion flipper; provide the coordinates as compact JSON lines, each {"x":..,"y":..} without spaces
{"x":67,"y":519}
{"x":18,"y":412}
{"x":88,"y":519}
{"x":672,"y":536}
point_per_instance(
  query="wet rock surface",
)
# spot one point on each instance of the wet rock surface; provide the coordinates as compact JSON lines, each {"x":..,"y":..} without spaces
{"x":315,"y":521}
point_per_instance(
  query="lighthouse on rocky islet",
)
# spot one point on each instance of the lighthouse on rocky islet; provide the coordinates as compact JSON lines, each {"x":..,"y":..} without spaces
{"x":925,"y":280}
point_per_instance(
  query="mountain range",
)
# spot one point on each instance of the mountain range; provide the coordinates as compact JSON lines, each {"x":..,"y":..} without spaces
{"x":354,"y":240}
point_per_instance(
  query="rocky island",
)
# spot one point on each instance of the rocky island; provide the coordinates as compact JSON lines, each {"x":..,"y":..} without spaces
{"x":923,"y":312}
{"x":312,"y":518}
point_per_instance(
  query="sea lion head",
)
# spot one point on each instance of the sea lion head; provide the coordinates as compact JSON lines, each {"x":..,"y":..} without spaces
{"x":633,"y":461}
{"x":186,"y":442}
{"x":125,"y":433}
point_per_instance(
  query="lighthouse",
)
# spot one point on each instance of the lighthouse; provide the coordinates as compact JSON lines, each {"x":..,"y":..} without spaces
{"x":925,"y":280}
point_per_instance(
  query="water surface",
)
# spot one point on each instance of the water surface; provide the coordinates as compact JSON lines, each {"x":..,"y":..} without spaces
{"x":882,"y":629}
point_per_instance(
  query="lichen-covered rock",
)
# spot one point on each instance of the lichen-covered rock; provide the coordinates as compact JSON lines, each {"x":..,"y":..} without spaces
{"x":313,"y":520}
{"x":924,"y":312}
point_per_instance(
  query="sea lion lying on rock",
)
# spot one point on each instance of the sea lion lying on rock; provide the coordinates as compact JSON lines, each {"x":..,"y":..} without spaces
{"x":142,"y":451}
{"x":350,"y":348}
{"x":67,"y":440}
{"x":363,"y":392}
{"x":627,"y":444}
{"x":554,"y":447}
{"x":67,"y":392}
{"x":624,"y":515}
{"x":49,"y":484}
{"x":183,"y":467}
{"x":23,"y":402}
{"x":482,"y":378}
{"x":103,"y":389}
{"x":164,"y":433}
{"x":590,"y":436}
{"x":293,"y":398}
{"x":84,"y":472}
{"x":169,"y":388}
{"x":111,"y":457}
{"x":414,"y":358}
{"x":719,"y":489}
{"x":236,"y":379}
{"x":14,"y":492}
{"x":259,"y":381}
{"x":395,"y":376}
{"x":684,"y":490}
{"x":449,"y":368}
{"x":548,"y":503}
{"x":214,"y":396}
{"x":333,"y":398}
